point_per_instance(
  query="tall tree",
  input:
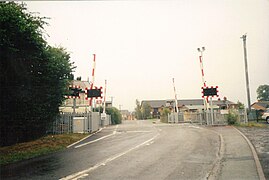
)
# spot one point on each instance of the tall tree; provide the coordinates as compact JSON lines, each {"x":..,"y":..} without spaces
{"x":138,"y":113}
{"x":146,"y":111}
{"x":33,"y":75}
{"x":240,"y":105}
{"x":263,"y":92}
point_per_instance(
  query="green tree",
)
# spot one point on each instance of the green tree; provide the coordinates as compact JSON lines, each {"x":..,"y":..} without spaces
{"x":138,"y":113}
{"x":33,"y":75}
{"x":240,"y":105}
{"x":146,"y":111}
{"x":115,"y":114}
{"x":263,"y":92}
{"x":58,"y":73}
{"x":164,"y":114}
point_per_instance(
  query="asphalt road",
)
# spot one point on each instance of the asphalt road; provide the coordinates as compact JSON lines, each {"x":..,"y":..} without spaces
{"x":132,"y":150}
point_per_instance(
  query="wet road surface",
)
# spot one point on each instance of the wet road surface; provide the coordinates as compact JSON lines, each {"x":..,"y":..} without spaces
{"x":132,"y":150}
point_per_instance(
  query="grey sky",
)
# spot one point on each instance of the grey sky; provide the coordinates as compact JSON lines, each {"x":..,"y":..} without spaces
{"x":141,"y":45}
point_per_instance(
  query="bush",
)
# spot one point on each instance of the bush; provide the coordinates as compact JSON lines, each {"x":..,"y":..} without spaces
{"x":232,"y":118}
{"x":164,"y":115}
{"x":115,"y":115}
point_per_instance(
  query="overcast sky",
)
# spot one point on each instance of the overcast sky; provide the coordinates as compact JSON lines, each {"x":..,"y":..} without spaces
{"x":141,"y":45}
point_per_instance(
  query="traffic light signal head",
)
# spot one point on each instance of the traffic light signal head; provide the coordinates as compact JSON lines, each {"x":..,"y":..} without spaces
{"x":74,"y":91}
{"x":94,"y":93}
{"x":210,"y":91}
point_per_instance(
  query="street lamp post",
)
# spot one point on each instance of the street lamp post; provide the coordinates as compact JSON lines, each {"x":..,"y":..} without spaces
{"x":244,"y":37}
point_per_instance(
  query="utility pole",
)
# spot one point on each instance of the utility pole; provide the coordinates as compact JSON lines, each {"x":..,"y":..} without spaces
{"x":104,"y":109}
{"x":175,"y":95}
{"x":244,"y":37}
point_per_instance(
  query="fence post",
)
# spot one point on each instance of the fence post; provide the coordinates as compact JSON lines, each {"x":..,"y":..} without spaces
{"x":246,"y":116}
{"x":206,"y":115}
{"x":200,"y":117}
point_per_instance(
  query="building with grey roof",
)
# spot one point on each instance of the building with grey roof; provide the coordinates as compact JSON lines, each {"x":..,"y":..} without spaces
{"x":192,"y":105}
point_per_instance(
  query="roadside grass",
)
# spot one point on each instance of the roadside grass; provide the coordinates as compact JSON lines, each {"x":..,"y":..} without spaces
{"x":153,"y":120}
{"x":254,"y":124}
{"x":42,"y":146}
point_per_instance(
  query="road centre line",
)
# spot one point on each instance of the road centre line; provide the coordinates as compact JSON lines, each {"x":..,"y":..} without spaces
{"x":103,"y":163}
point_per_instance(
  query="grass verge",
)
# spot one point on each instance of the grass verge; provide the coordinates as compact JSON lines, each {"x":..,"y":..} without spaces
{"x":42,"y":146}
{"x":253,"y":124}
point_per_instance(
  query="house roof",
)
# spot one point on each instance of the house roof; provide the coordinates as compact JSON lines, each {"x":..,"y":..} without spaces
{"x":154,"y":103}
{"x":184,"y":102}
{"x":194,"y":107}
{"x":81,"y":84}
{"x":221,"y":102}
{"x":190,"y":102}
{"x":260,"y":105}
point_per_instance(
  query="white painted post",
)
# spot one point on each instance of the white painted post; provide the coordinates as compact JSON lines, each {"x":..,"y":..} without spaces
{"x":211,"y":108}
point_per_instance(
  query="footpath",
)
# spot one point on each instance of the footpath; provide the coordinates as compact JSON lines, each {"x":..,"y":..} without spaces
{"x":237,"y":158}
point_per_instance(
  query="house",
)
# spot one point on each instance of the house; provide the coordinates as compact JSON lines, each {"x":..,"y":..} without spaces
{"x":109,"y":104}
{"x":82,"y":104}
{"x":156,"y":106}
{"x":260,"y":105}
{"x":189,"y":105}
{"x":126,"y":115}
{"x":225,"y":104}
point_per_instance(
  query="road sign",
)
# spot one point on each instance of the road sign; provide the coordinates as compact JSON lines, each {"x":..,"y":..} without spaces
{"x":103,"y":116}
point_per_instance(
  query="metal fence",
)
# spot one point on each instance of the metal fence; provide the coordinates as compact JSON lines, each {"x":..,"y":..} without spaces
{"x":79,"y":123}
{"x":206,"y":118}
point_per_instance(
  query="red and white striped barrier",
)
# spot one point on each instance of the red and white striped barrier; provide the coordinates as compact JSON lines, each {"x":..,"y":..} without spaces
{"x":92,"y":83}
{"x":202,"y":70}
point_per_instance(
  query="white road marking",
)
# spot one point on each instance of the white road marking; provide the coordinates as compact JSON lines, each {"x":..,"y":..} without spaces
{"x":95,"y":140}
{"x":84,"y":138}
{"x":114,"y":132}
{"x":86,"y":171}
{"x":138,"y":131}
{"x":85,"y":175}
{"x":194,"y":127}
{"x":151,"y":142}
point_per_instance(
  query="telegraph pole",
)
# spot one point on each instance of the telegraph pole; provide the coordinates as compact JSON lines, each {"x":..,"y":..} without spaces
{"x":175,"y":95}
{"x":244,"y":37}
